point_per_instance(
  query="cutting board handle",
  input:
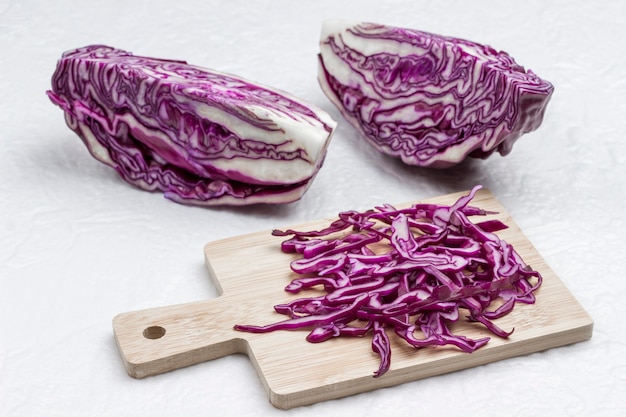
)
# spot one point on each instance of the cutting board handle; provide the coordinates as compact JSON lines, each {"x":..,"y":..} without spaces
{"x":162,"y":339}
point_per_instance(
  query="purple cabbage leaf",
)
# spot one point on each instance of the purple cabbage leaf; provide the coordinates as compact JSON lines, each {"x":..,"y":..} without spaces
{"x":429,"y":100}
{"x":200,"y":136}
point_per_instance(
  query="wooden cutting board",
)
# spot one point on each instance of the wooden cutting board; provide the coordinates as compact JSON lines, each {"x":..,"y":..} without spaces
{"x":251,"y":272}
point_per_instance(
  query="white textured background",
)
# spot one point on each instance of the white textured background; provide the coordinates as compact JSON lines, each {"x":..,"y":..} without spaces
{"x":78,"y":245}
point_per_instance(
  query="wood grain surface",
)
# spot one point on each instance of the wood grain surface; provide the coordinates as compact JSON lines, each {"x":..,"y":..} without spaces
{"x":251,"y":272}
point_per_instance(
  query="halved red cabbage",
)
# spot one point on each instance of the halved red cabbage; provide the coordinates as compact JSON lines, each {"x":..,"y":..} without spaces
{"x":430,"y":100}
{"x":200,"y":136}
{"x":411,"y":271}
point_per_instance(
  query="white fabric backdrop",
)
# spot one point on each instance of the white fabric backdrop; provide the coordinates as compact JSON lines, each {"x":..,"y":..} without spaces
{"x":78,"y":245}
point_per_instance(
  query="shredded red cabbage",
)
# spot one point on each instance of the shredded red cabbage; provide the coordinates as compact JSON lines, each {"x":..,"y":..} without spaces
{"x":409,"y":271}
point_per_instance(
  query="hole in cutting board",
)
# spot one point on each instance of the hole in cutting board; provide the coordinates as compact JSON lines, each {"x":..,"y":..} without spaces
{"x":154,"y":332}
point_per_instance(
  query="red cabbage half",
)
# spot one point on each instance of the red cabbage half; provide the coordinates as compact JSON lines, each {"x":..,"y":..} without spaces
{"x":200,"y":136}
{"x":428,"y":99}
{"x":413,"y":272}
